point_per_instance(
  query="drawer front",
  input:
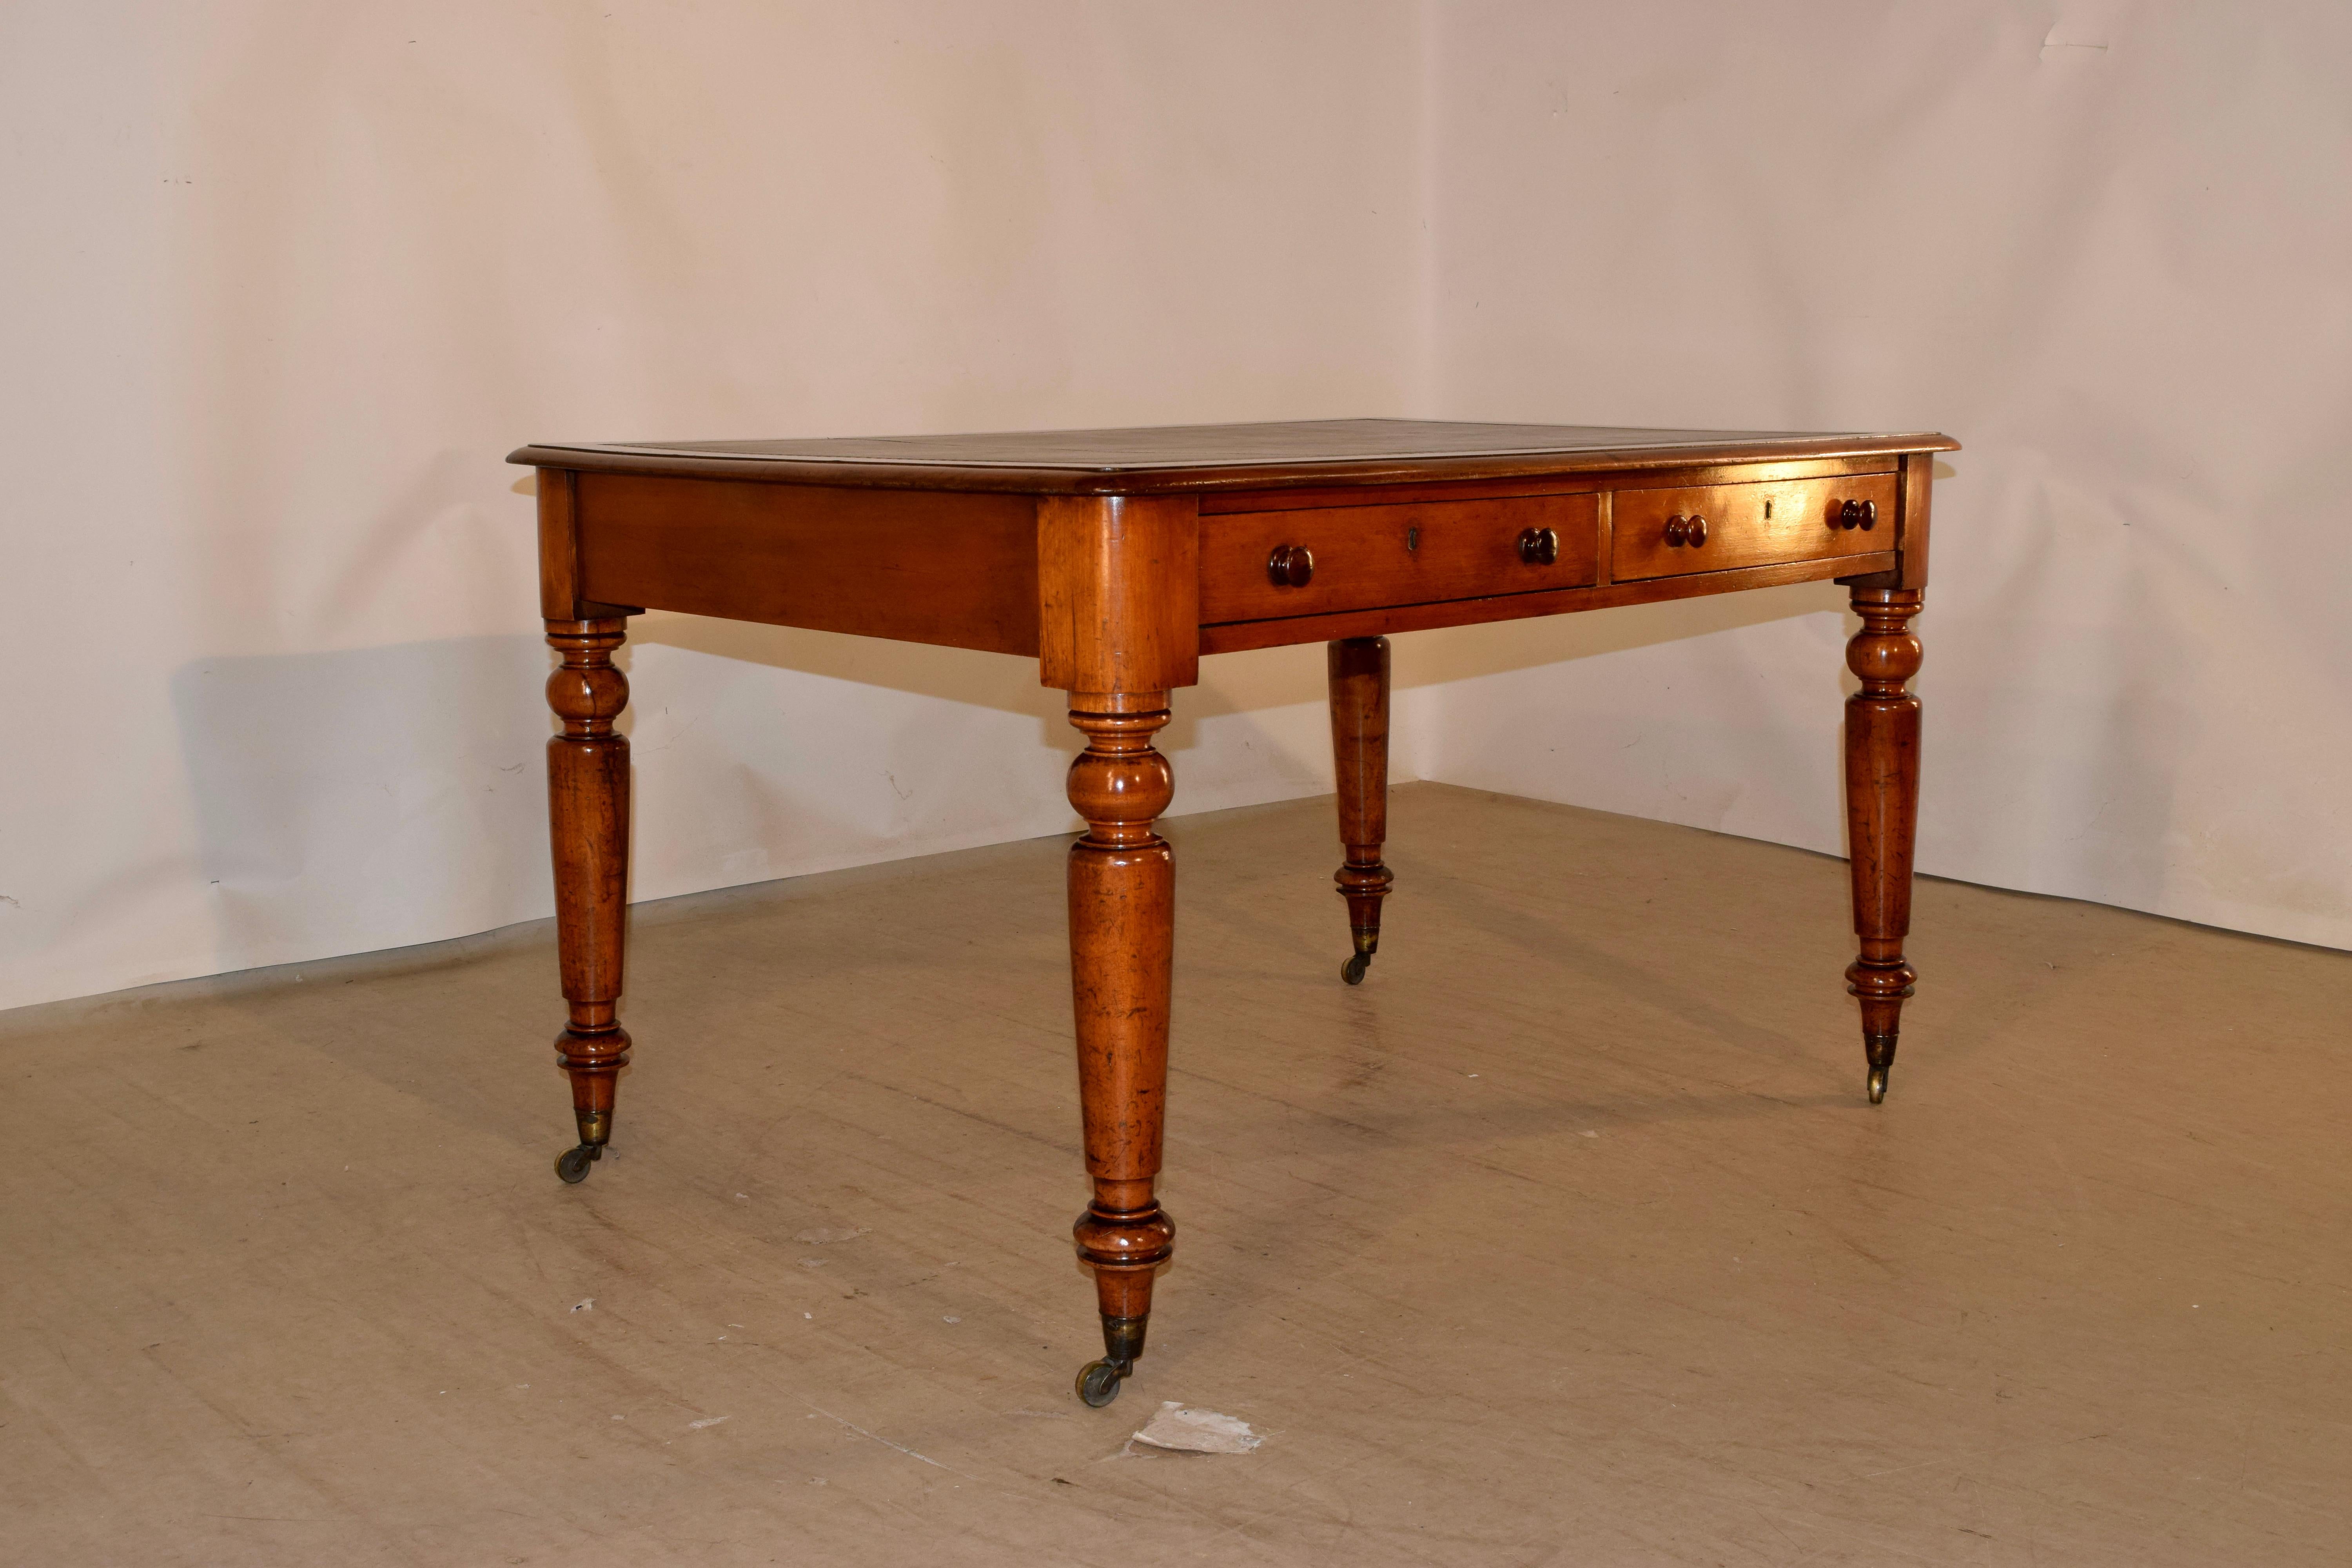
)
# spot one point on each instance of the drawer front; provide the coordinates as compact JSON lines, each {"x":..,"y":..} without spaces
{"x":1410,"y":553}
{"x":1747,"y":525}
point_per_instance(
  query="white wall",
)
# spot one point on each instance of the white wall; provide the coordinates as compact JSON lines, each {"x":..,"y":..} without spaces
{"x":2108,"y":245}
{"x":284,"y":281}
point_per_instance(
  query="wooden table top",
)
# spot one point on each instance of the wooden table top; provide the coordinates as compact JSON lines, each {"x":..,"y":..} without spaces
{"x":1213,"y":457}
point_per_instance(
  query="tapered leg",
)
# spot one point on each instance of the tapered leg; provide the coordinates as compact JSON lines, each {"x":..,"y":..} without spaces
{"x":1360,"y":752}
{"x":588,"y":816}
{"x":1122,"y":928}
{"x":1882,"y":798}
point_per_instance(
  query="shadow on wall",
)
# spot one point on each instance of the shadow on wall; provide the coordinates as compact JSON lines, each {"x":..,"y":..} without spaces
{"x":1252,"y":729}
{"x":2111,"y":685}
{"x":1466,"y":653}
{"x":367,"y":798}
{"x":956,"y":748}
{"x":1234,"y":683}
{"x":378,"y":797}
{"x":1231,"y":686}
{"x":955,"y":675}
{"x":1721,"y":714}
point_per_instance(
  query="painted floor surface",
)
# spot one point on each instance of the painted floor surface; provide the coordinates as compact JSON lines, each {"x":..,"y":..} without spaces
{"x":1567,"y":1238}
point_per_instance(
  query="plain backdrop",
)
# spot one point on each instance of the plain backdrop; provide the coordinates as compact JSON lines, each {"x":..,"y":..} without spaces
{"x":281,"y":284}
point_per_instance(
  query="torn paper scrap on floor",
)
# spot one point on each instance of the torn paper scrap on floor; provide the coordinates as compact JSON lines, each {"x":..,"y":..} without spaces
{"x":1197,"y":1432}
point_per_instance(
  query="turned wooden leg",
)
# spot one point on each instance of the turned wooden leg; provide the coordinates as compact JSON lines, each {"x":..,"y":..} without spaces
{"x":588,"y":817}
{"x":1359,"y":754}
{"x":1122,"y":927}
{"x":1881,"y":799}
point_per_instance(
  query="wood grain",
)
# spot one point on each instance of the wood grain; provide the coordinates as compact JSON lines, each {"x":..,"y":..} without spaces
{"x":1409,"y":553}
{"x":588,"y":819}
{"x":1117,"y":559}
{"x":1237,"y":636}
{"x":560,"y":595}
{"x":1359,"y":670}
{"x":1119,"y":590}
{"x":1747,"y":525}
{"x":1919,"y":491}
{"x":1915,"y":485}
{"x":1214,"y":456}
{"x":1881,"y":796}
{"x":1122,"y":887}
{"x":1595,"y":482}
{"x":917,"y":566}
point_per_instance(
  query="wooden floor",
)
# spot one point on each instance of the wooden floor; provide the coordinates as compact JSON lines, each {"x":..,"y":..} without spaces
{"x":1568,"y":1238}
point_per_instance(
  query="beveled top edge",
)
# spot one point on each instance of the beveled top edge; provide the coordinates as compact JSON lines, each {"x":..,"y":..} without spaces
{"x":1319,"y":443}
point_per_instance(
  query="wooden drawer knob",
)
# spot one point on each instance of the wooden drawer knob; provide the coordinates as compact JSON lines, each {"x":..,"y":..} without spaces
{"x":1682,"y":531}
{"x":1538,"y":546}
{"x":1858,"y":514}
{"x":1291,"y":566}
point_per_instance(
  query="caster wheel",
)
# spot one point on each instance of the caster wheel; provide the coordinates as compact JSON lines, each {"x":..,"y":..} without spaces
{"x":1877,"y":1085}
{"x":572,"y":1164}
{"x":1099,"y":1382}
{"x":1353,"y":972}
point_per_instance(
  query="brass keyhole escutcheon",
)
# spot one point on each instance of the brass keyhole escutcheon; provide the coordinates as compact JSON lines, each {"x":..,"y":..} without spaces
{"x":1538,"y":546}
{"x":1290,"y":567}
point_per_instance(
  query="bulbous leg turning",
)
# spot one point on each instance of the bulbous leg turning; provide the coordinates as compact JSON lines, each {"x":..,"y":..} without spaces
{"x":1122,"y":882}
{"x":1882,"y":784}
{"x":588,"y":818}
{"x":1359,"y":754}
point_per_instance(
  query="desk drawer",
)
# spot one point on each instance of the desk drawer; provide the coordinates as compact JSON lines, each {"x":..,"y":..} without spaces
{"x":1408,"y":552}
{"x":1747,"y":525}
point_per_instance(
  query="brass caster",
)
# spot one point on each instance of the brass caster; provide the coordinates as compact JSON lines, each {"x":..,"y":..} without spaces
{"x":1098,"y":1381}
{"x":572,"y":1164}
{"x":1877,"y":1085}
{"x":1353,"y":972}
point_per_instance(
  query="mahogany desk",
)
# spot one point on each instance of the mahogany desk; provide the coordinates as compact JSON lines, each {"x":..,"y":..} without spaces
{"x":1115,"y":558}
